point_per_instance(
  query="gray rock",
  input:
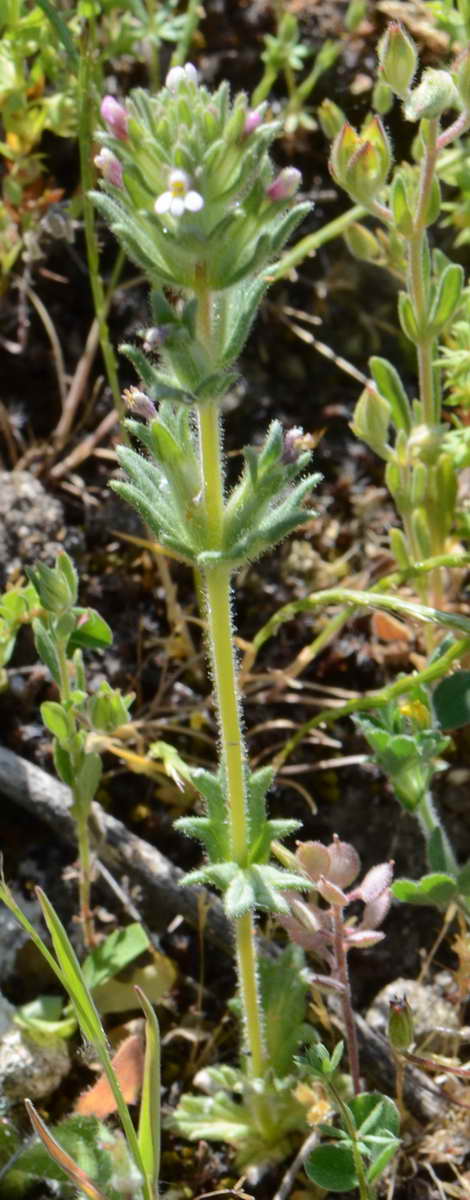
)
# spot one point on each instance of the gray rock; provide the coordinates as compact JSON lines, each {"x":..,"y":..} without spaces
{"x":31,"y":524}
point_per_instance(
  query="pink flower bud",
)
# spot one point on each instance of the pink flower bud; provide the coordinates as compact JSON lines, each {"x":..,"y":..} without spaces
{"x":109,"y":166}
{"x":115,"y":117}
{"x":285,"y":185}
{"x":252,"y":120}
{"x":140,"y":403}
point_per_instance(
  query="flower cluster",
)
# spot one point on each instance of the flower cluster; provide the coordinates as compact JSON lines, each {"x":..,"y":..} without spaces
{"x":191,"y":192}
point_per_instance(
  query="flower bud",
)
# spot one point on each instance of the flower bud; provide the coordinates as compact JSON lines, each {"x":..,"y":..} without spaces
{"x":462,"y":76}
{"x":331,"y":118}
{"x":433,"y":96}
{"x":285,"y":185}
{"x":400,"y":1024}
{"x":382,"y":97}
{"x":181,"y":75}
{"x":140,"y":403}
{"x":115,"y":117}
{"x":344,"y":146}
{"x":295,"y":443}
{"x":252,"y":120}
{"x":362,"y":243}
{"x":109,"y":709}
{"x":398,"y":59}
{"x":371,"y":421}
{"x":56,"y":586}
{"x":109,"y":166}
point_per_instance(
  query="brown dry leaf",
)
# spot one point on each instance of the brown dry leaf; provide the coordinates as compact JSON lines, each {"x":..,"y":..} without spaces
{"x":390,"y":629}
{"x":128,"y":1065}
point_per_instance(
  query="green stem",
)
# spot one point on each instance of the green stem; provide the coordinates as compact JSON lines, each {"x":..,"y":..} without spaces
{"x":366,"y":1192}
{"x":417,"y":283}
{"x":342,"y":972}
{"x":312,"y":242}
{"x":80,"y":817}
{"x":225,"y":673}
{"x":429,"y":822}
{"x":436,"y":670}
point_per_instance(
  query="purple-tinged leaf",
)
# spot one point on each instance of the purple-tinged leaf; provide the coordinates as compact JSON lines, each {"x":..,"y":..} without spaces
{"x":345,"y":863}
{"x":332,"y":894}
{"x":314,"y":859}
{"x":376,"y":881}
{"x":375,"y":912}
{"x":362,"y":938}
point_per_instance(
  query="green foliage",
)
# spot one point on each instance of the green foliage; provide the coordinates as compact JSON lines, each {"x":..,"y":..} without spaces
{"x":256,"y":884}
{"x":114,"y":954}
{"x":261,"y":509}
{"x":137,"y":1158}
{"x":366,"y":1138}
{"x":451,"y":701}
{"x":228,"y":1112}
{"x":406,"y":743}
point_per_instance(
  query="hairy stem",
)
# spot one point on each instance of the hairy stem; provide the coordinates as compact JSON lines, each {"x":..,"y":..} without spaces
{"x":225,"y":674}
{"x":342,"y":973}
{"x":85,"y":870}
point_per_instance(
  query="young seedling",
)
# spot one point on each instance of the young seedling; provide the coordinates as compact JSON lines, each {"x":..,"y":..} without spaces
{"x":366,"y":1139}
{"x":62,"y":629}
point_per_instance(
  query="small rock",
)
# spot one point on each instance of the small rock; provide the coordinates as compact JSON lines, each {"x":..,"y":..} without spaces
{"x":431,"y":1009}
{"x":31,"y":524}
{"x":27,"y":1069}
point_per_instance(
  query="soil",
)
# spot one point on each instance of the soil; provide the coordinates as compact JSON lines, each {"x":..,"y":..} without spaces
{"x":39,"y":514}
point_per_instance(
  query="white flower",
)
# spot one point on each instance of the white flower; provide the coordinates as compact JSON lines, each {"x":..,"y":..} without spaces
{"x":178,"y":75}
{"x":179,"y":196}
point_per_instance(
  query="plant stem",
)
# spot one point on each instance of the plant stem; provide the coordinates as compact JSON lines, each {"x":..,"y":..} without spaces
{"x":225,"y":674}
{"x":342,"y":974}
{"x":366,"y":1191}
{"x":417,"y":285}
{"x":81,"y":821}
{"x":429,"y":822}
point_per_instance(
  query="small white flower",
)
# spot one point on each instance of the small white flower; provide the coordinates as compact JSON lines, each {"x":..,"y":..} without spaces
{"x":178,"y":75}
{"x":179,"y":196}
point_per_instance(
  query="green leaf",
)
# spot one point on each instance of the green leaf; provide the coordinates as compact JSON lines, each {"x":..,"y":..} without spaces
{"x":118,"y":950}
{"x":87,"y":779}
{"x":43,"y":1019}
{"x":374,"y":1113}
{"x":451,"y":701}
{"x":447,"y":297}
{"x":65,"y":1164}
{"x":93,"y":633}
{"x":390,"y":386}
{"x":46,"y":650}
{"x":332,"y":1168}
{"x":61,"y":29}
{"x":407,"y":317}
{"x":72,"y":977}
{"x":438,"y":889}
{"x":149,"y":1133}
{"x":284,"y":990}
{"x":63,"y":764}
{"x":56,"y":721}
{"x":436,"y":851}
{"x":382,"y":1159}
{"x":463,"y":880}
